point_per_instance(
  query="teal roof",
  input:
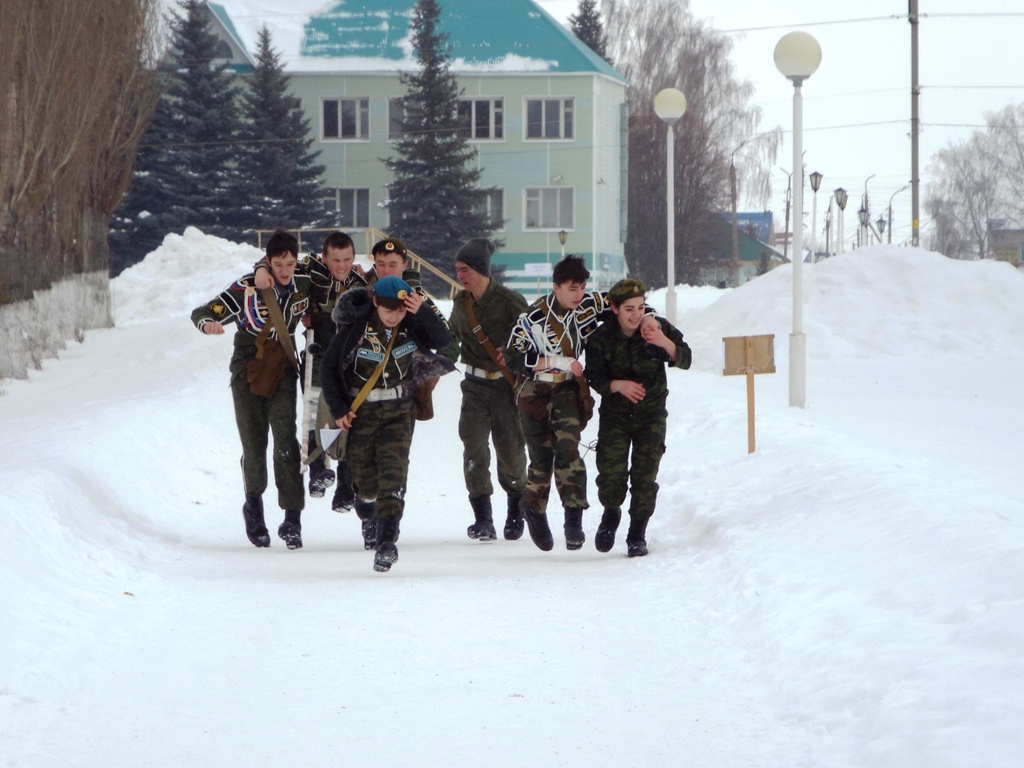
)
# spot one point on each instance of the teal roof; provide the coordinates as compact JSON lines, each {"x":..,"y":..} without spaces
{"x":345,"y":35}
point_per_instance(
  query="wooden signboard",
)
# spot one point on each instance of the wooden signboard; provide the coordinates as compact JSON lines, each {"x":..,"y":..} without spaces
{"x":747,"y":356}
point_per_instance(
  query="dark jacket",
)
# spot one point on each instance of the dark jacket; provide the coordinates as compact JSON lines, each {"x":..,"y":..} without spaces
{"x":613,"y":355}
{"x":412,"y":359}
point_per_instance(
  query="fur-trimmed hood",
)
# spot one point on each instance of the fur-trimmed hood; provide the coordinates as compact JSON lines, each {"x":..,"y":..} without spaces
{"x":353,"y":306}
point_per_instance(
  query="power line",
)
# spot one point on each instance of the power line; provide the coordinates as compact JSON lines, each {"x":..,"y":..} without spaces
{"x":891,"y":17}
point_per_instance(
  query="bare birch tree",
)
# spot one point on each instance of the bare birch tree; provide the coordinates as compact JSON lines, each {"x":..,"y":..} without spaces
{"x":658,"y":44}
{"x":77,"y":94}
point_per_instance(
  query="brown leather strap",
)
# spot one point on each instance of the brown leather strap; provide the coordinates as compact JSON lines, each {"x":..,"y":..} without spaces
{"x":261,"y":339}
{"x":566,"y":349}
{"x":486,"y":343}
{"x":284,"y":337}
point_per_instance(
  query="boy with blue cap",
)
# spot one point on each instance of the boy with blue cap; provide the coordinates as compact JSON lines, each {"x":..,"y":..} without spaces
{"x":383,"y":350}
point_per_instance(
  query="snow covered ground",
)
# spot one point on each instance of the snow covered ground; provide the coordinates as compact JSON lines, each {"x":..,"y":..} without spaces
{"x":851,"y":594}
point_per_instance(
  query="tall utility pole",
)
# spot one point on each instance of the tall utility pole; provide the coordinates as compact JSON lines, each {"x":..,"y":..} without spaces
{"x":735,"y":228}
{"x":915,"y":128}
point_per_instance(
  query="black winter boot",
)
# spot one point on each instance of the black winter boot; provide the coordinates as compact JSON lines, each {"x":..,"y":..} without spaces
{"x":574,"y":535}
{"x":514,"y":519}
{"x":290,"y":530}
{"x":255,"y":526}
{"x":483,"y":528}
{"x":344,"y":495}
{"x":320,"y":477}
{"x":386,"y":553}
{"x":367,"y":511}
{"x":635,"y":538}
{"x":605,"y":538}
{"x":540,"y":531}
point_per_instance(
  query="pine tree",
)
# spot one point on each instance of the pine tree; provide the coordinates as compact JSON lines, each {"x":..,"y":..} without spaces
{"x":186,"y":173}
{"x":278,"y":165}
{"x":434,"y":198}
{"x":586,"y":25}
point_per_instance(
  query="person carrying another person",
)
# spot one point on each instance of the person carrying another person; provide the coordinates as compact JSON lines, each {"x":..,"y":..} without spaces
{"x":263,"y":376}
{"x":545,"y":346}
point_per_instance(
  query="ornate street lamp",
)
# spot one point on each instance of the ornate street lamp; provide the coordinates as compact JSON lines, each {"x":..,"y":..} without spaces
{"x":815,"y":184}
{"x":841,"y":197}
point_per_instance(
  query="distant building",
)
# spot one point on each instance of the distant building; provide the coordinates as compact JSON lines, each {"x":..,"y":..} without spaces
{"x":547,"y":116}
{"x":1005,"y":243}
{"x":755,"y":232}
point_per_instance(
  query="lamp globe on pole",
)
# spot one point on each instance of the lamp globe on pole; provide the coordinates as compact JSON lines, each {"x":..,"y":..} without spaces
{"x":670,"y":106}
{"x":797,"y":57}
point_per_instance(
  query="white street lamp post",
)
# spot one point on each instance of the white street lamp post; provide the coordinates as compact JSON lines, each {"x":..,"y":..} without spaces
{"x":670,"y":105}
{"x":797,"y":57}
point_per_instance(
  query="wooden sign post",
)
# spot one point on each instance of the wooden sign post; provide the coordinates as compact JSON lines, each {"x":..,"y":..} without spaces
{"x":749,"y":355}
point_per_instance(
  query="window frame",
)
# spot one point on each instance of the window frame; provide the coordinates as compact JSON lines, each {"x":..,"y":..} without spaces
{"x":354,"y":210}
{"x":362,"y":118}
{"x":566,"y":107}
{"x":487,"y":197}
{"x":495,"y":122}
{"x":560,"y":221}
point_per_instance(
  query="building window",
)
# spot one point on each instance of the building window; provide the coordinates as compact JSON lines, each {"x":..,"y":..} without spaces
{"x":396,"y":117}
{"x":348,"y":207}
{"x":492,"y":205}
{"x":549,"y":118}
{"x":482,"y":119}
{"x":346,"y":119}
{"x":549,"y":208}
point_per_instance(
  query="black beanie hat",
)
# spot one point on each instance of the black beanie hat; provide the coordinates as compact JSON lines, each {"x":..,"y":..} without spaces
{"x":476,"y":254}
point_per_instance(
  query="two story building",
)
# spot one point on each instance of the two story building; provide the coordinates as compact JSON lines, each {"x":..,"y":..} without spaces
{"x":547,"y":116}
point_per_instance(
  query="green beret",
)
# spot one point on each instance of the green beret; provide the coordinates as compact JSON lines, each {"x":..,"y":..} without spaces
{"x":391,"y":245}
{"x":630,"y":288}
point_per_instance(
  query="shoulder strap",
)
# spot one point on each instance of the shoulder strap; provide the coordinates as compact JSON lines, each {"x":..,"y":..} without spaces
{"x":486,"y":343}
{"x":284,"y":338}
{"x":566,"y":349}
{"x":365,"y":390}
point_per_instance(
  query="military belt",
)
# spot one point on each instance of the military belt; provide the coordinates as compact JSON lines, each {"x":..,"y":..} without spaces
{"x":480,"y":373}
{"x":554,"y":378}
{"x":379,"y":395}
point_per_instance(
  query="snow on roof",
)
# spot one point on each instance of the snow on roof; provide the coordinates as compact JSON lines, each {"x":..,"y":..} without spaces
{"x":375,"y":35}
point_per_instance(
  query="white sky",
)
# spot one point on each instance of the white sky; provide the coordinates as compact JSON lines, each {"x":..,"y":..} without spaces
{"x":851,"y":594}
{"x":857,"y":106}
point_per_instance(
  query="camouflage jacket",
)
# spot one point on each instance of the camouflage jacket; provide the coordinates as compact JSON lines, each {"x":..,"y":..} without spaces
{"x":241,"y":303}
{"x":496,"y":312}
{"x":412,"y":277}
{"x":613,"y":355}
{"x":358,"y":347}
{"x":538,"y":331}
{"x":325,"y":292}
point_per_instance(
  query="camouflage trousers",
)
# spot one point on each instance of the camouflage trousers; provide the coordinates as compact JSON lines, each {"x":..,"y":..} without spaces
{"x":257,"y":416}
{"x":489,"y":413}
{"x":378,"y":453}
{"x":616,"y":433}
{"x":549,"y":414}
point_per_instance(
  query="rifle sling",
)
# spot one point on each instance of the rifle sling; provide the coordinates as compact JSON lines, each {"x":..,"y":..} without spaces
{"x":486,"y":343}
{"x":284,"y":338}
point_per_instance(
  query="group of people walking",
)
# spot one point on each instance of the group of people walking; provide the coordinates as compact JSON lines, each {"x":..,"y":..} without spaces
{"x":379,"y":346}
